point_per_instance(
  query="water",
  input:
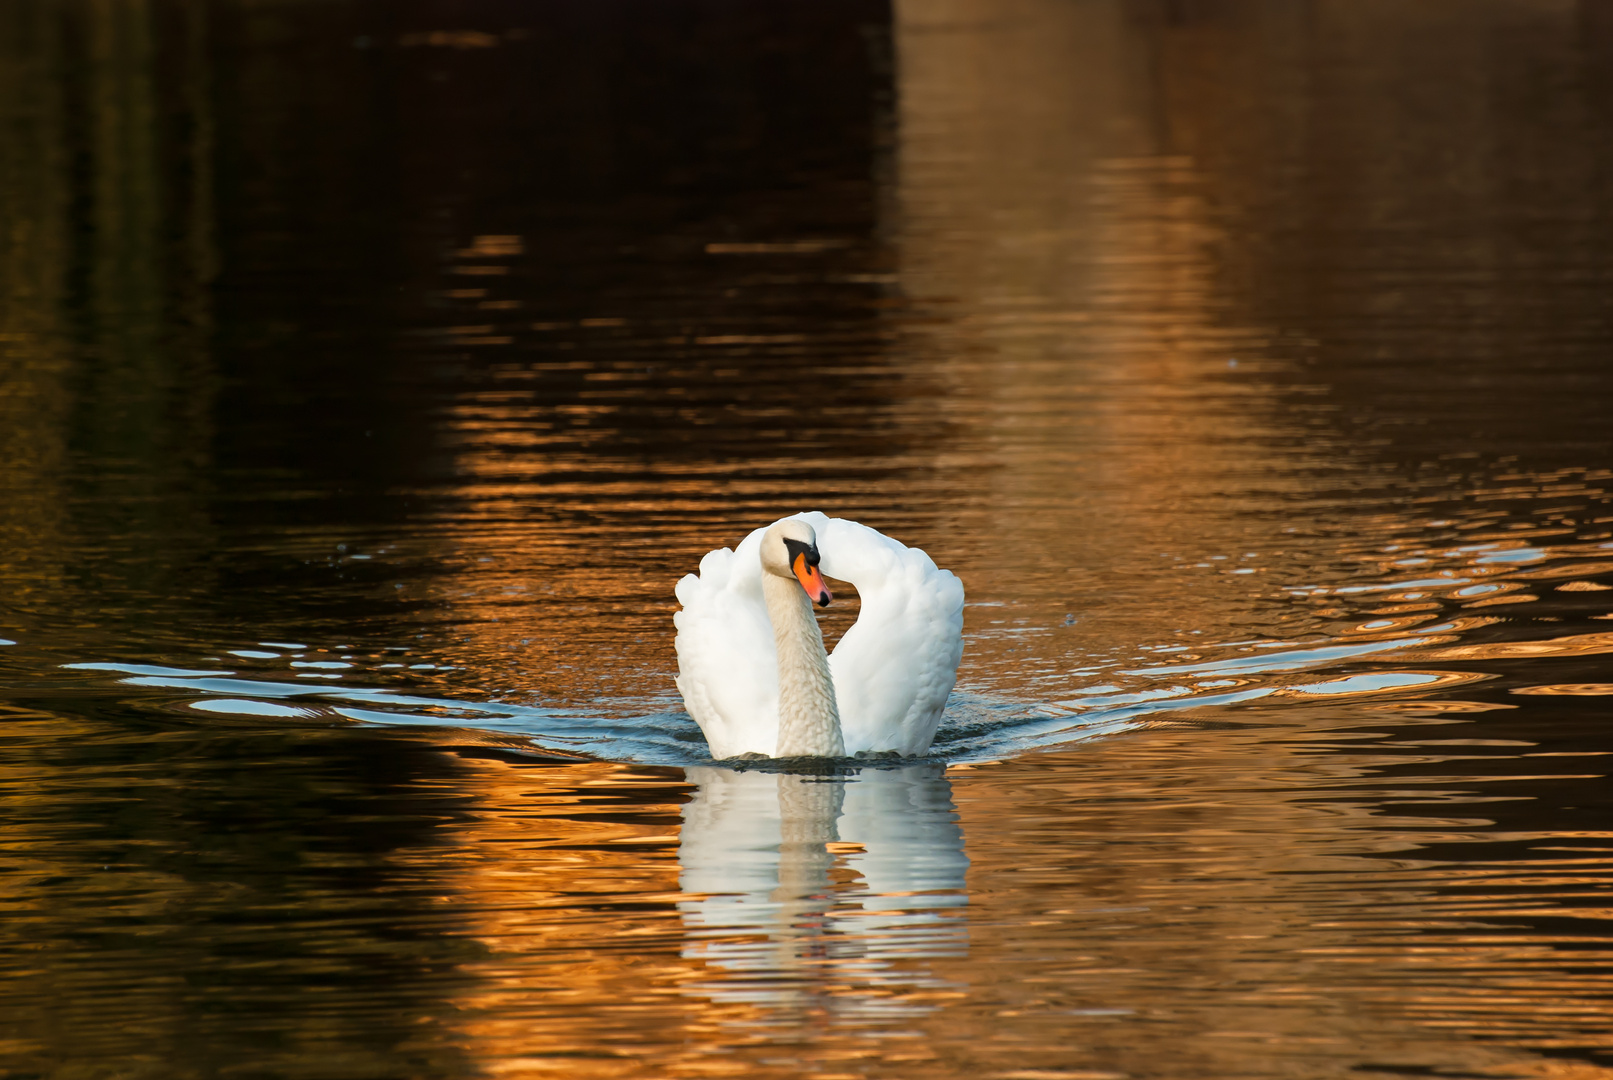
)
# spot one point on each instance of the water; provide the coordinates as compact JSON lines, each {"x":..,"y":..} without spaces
{"x":371,"y":373}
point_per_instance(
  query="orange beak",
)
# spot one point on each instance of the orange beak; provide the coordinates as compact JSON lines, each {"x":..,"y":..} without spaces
{"x":812,"y":582}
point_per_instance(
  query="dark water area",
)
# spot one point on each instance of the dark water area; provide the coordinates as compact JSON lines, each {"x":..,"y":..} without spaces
{"x":370,"y":372}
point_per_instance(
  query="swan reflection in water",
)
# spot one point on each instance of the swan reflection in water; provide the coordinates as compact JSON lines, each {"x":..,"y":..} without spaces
{"x":823,"y":893}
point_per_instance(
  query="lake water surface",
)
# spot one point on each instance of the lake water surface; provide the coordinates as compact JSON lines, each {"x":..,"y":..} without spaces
{"x":370,"y":372}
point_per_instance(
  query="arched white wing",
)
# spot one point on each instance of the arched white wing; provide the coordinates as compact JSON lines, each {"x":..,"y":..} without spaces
{"x":727,"y":662}
{"x":895,"y":667}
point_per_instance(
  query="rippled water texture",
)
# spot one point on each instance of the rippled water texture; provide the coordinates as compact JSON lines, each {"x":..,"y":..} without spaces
{"x":372,"y":370}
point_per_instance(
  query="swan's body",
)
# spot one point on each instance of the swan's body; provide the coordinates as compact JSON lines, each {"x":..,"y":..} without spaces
{"x":751,"y":661}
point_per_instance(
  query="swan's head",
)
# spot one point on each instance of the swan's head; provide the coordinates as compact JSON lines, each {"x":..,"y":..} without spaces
{"x":790,"y":549}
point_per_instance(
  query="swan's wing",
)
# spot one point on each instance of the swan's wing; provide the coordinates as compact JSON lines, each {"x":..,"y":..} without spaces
{"x":894,"y":669}
{"x":727,"y":662}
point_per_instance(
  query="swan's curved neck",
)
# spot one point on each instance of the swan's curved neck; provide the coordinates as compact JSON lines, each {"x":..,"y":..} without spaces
{"x":808,"y":721}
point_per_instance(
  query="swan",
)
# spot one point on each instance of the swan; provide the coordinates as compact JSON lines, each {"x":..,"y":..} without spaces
{"x":752,"y":668}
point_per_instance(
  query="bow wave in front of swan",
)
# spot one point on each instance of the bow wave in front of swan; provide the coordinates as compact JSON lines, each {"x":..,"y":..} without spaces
{"x":752,"y":667}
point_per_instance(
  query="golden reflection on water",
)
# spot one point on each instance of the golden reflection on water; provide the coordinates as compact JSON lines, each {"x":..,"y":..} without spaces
{"x":625,"y":913}
{"x":1082,"y":378}
{"x":752,"y":924}
{"x":1112,"y":344}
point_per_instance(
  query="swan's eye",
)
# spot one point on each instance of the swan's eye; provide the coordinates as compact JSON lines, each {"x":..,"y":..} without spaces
{"x":797,"y":549}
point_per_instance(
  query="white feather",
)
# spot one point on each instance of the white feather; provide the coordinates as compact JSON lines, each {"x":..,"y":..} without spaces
{"x":892,"y":670}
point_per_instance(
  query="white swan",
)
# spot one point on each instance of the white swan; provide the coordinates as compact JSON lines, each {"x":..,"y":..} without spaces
{"x":751,"y":663}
